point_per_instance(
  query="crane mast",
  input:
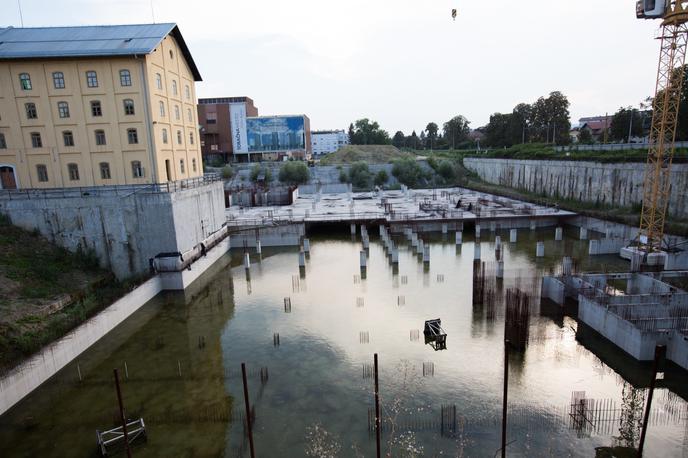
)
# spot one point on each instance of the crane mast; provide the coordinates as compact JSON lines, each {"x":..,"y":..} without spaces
{"x":670,"y":77}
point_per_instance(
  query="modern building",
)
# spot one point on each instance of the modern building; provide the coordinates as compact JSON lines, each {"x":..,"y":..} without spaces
{"x":328,"y":141}
{"x":233,"y":131}
{"x":215,"y":118}
{"x":97,"y":105}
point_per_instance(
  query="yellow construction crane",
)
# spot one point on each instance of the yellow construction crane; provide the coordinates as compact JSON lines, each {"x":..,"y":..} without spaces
{"x":657,"y":181}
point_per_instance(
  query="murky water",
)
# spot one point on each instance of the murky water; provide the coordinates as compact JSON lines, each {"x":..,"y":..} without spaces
{"x":179,"y":359}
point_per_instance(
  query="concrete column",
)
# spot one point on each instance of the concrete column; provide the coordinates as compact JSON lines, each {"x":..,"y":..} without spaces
{"x":382,"y":229}
{"x":426,"y":254}
{"x":419,"y":248}
{"x":366,"y":242}
{"x":477,"y":231}
{"x":353,"y":229}
{"x":498,"y":243}
{"x":513,"y":235}
{"x":540,"y":250}
{"x":414,"y":239}
{"x":302,"y":259}
{"x":594,"y":247}
{"x":567,"y":266}
{"x":247,"y":261}
{"x":533,"y":224}
{"x":500,"y":269}
{"x":583,"y":233}
{"x":445,"y":228}
{"x":493,"y":226}
{"x":259,"y":248}
{"x":636,"y":261}
{"x":558,"y":234}
{"x":306,"y":245}
{"x":395,"y":255}
{"x":364,"y":259}
{"x":476,"y":251}
{"x":459,"y":237}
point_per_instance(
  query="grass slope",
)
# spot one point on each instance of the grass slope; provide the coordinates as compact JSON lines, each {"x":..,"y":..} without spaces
{"x":371,"y":154}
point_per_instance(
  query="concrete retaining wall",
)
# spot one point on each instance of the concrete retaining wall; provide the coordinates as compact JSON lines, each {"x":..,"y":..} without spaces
{"x":124,"y":231}
{"x":612,"y":184}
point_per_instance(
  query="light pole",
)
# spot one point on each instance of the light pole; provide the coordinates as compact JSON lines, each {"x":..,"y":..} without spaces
{"x":630,"y":124}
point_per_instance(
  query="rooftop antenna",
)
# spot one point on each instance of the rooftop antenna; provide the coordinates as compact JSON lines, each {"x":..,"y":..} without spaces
{"x":21,"y":16}
{"x":152,"y":11}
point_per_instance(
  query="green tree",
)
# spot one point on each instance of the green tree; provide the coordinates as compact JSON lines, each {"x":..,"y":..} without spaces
{"x":456,"y":130}
{"x":497,"y":130}
{"x":294,"y":173}
{"x":352,"y":133}
{"x":431,"y":136}
{"x":359,"y":175}
{"x":551,"y":120}
{"x":399,"y":140}
{"x":585,"y":137}
{"x":258,"y":173}
{"x":412,"y":141}
{"x":408,"y":172}
{"x":381,"y":178}
{"x":369,"y":133}
{"x":623,"y":120}
{"x":446,"y":170}
{"x":227,"y":172}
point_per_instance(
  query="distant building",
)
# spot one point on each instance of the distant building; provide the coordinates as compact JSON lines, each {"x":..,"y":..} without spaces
{"x":217,"y":125}
{"x":597,"y":125}
{"x":328,"y":141}
{"x":97,"y":105}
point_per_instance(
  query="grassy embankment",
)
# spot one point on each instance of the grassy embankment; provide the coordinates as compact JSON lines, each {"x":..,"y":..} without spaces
{"x":371,"y":154}
{"x":46,"y":292}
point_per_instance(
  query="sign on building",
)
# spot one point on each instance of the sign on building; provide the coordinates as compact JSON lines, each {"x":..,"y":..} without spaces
{"x":237,"y":113}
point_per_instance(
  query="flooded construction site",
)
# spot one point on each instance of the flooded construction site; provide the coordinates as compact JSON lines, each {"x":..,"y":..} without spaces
{"x":306,"y":320}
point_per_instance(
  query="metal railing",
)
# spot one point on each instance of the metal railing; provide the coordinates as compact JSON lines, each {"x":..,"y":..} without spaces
{"x":613,"y":147}
{"x":108,"y":191}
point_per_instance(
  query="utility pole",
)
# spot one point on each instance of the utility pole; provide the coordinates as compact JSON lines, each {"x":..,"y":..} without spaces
{"x":630,"y":124}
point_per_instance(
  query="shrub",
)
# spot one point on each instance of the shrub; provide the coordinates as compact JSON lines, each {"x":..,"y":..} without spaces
{"x":294,"y":173}
{"x":381,"y":178}
{"x":446,"y":170}
{"x":227,"y":172}
{"x":408,"y":172}
{"x":257,"y":169}
{"x":343,"y":177}
{"x":360,"y":175}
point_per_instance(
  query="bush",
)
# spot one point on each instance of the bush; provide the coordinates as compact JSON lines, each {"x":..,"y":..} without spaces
{"x":432,"y":162}
{"x":343,"y":177}
{"x":360,"y":175}
{"x":257,"y":169}
{"x":446,"y":170}
{"x":294,"y":173}
{"x":408,"y":172}
{"x":381,"y":178}
{"x":227,"y":172}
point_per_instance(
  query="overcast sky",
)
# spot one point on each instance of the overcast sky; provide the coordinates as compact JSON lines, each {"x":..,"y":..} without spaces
{"x":402,"y":63}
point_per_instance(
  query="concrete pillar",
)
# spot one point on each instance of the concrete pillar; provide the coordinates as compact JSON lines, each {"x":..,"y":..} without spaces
{"x":459,"y":237}
{"x":363,"y":258}
{"x":353,"y":229}
{"x":513,"y":235}
{"x":302,"y":259}
{"x":259,"y":248}
{"x":500,"y":269}
{"x":583,"y":233}
{"x":419,"y":248}
{"x":306,"y":245}
{"x":247,"y":261}
{"x":395,"y":255}
{"x":594,"y":247}
{"x":414,"y":239}
{"x":558,"y":234}
{"x":476,"y":251}
{"x":567,"y":266}
{"x":540,"y":250}
{"x":493,"y":226}
{"x":366,"y":242}
{"x":477,"y":231}
{"x":426,"y":254}
{"x":382,"y":230}
{"x":445,"y":228}
{"x":636,"y":261}
{"x":533,"y":224}
{"x":498,"y":243}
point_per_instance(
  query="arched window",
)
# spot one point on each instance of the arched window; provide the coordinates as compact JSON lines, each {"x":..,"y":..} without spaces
{"x":136,"y":169}
{"x":125,"y":77}
{"x":68,"y":138}
{"x":128,"y":107}
{"x":42,"y":173}
{"x":158,"y":81}
{"x":174,"y":87}
{"x":132,"y":136}
{"x":164,"y":136}
{"x":187,"y":92}
{"x":181,"y":166}
{"x":179,"y":137}
{"x":176,"y":112}
{"x":63,"y":109}
{"x":162,"y":109}
{"x":105,"y":171}
{"x":3,"y":142}
{"x":91,"y":79}
{"x":100,"y":137}
{"x":191,"y":138}
{"x":25,"y":81}
{"x":58,"y":80}
{"x":193,"y":164}
{"x":189,"y":116}
{"x":73,"y":170}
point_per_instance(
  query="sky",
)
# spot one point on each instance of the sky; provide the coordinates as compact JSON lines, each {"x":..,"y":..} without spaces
{"x":402,"y":63}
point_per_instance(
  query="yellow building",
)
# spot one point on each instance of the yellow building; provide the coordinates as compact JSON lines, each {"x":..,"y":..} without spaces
{"x":97,"y":105}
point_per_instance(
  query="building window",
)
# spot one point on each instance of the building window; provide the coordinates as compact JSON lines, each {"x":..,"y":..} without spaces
{"x":3,"y":142}
{"x":179,"y":137}
{"x":125,"y":78}
{"x":128,"y":107}
{"x":176,"y":112}
{"x":189,"y":116}
{"x":158,"y":81}
{"x":25,"y":81}
{"x":63,"y":109}
{"x":100,"y":137}
{"x":171,"y":54}
{"x":211,"y":118}
{"x":36,"y":141}
{"x":68,"y":138}
{"x":162,"y":109}
{"x":132,"y":136}
{"x":191,"y":139}
{"x":105,"y":171}
{"x":91,"y":79}
{"x":174,"y":87}
{"x":193,"y":164}
{"x":181,"y":166}
{"x":136,"y":169}
{"x":164,"y":136}
{"x":58,"y":80}
{"x":31,"y":112}
{"x":73,"y":170}
{"x":187,"y":91}
{"x":96,"y":108}
{"x":42,"y":173}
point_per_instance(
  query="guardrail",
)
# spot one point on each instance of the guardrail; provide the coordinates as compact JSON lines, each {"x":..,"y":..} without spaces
{"x":108,"y":191}
{"x":613,"y":147}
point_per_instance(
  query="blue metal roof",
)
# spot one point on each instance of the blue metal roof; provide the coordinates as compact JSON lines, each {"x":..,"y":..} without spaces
{"x":88,"y":41}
